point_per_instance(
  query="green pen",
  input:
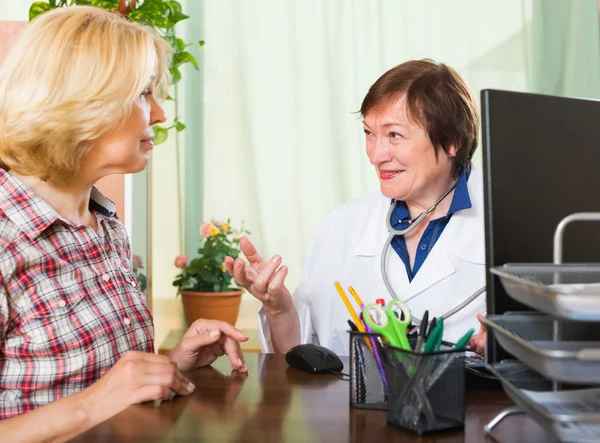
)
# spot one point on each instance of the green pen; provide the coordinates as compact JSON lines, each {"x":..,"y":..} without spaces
{"x":439,"y":371}
{"x":434,"y":340}
{"x":462,"y":343}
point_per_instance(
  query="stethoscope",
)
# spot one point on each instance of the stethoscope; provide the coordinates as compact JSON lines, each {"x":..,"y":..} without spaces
{"x":411,"y":227}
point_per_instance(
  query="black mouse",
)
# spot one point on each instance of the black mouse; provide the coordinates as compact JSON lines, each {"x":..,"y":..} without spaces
{"x":314,"y":359}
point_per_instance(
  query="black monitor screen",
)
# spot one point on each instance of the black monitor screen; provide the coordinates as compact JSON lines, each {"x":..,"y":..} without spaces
{"x":541,"y":161}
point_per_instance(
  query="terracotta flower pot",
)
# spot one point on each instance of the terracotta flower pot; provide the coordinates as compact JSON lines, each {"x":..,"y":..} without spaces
{"x":211,"y":305}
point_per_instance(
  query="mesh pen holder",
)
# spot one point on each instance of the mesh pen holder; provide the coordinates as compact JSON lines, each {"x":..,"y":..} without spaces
{"x":367,"y":374}
{"x":426,"y":392}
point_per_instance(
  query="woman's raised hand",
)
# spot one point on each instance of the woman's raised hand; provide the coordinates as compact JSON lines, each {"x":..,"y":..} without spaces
{"x":263,"y":279}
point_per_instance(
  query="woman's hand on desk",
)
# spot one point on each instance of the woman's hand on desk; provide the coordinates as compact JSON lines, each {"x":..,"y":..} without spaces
{"x":263,"y":279}
{"x":207,"y":340}
{"x":136,"y":377}
{"x":478,"y":341}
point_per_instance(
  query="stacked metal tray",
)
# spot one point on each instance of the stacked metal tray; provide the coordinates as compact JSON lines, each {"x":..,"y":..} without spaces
{"x":570,"y":415}
{"x":556,"y":379}
{"x":529,"y":337}
{"x":565,"y":291}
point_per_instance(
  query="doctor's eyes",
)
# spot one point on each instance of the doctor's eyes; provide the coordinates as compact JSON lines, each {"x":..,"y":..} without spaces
{"x":391,"y":135}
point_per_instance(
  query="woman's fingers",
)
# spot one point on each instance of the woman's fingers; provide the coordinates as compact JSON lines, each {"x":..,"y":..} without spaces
{"x":174,"y":382}
{"x":277,"y":282}
{"x":234,"y":353}
{"x":229,"y":262}
{"x":268,"y":271}
{"x":251,"y":253}
{"x":239,"y":273}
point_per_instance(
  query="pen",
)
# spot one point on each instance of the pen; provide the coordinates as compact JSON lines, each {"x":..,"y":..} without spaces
{"x":446,"y":364}
{"x":356,"y":297}
{"x":422,"y":331}
{"x":344,"y":298}
{"x":431,"y":327}
{"x":355,"y":318}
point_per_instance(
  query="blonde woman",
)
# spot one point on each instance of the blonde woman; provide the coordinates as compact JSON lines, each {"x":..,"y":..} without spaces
{"x":78,"y":98}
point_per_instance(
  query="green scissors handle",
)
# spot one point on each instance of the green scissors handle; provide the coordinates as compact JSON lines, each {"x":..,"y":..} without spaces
{"x":400,"y":316}
{"x":392,"y":323}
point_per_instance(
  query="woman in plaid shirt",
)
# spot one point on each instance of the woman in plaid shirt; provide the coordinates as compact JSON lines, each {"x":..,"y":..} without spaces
{"x":78,"y":98}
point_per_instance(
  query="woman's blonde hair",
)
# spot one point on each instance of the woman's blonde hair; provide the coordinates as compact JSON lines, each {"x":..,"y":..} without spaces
{"x":73,"y":74}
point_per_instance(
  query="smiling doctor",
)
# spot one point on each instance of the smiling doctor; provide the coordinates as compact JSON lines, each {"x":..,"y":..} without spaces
{"x":421,"y":129}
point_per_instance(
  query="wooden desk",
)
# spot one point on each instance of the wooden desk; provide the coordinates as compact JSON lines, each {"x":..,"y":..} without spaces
{"x":252,"y":345}
{"x":274,"y":403}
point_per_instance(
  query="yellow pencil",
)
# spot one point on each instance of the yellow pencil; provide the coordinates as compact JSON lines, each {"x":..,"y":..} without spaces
{"x":355,"y":318}
{"x":356,"y":297}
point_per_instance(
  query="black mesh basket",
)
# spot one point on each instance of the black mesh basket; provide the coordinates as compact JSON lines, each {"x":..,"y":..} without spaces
{"x":426,"y":392}
{"x":367,"y":386}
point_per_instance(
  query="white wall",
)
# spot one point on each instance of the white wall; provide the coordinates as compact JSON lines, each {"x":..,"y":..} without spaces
{"x":11,"y":10}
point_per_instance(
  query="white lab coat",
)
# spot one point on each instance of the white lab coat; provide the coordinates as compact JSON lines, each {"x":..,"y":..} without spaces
{"x":348,"y":249}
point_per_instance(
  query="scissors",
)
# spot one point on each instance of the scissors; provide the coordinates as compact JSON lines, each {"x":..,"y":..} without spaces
{"x":391,"y":322}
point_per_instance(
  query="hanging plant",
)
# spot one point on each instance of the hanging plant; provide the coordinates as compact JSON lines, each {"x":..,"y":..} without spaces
{"x":162,"y":15}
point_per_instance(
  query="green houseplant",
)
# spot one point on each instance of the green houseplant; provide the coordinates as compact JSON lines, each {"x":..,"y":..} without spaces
{"x":162,"y":15}
{"x":207,"y":290}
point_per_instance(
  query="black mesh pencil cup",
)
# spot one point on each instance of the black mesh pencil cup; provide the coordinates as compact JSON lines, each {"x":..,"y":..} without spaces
{"x":367,"y":387}
{"x":426,"y":392}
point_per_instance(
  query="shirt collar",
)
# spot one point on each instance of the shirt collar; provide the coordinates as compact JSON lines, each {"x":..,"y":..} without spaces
{"x":34,"y":215}
{"x":460,"y":201}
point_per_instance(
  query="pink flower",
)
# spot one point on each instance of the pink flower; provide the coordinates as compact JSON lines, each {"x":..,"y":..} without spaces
{"x":137,"y":262}
{"x":181,"y":261}
{"x":208,"y":230}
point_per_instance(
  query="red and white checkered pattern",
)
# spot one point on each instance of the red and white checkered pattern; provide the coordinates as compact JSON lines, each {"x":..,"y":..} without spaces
{"x":69,"y":303}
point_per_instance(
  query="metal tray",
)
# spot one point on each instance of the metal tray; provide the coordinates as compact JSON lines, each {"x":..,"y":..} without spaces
{"x":528,"y":337}
{"x":566,"y":420}
{"x":569,"y":291}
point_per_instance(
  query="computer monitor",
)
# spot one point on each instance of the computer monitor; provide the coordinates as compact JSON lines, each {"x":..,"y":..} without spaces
{"x":541,"y":163}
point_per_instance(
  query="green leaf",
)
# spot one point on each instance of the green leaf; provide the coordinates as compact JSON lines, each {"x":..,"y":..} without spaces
{"x":38,"y":8}
{"x":175,"y":74}
{"x":177,"y":17}
{"x":160,"y":135}
{"x":179,"y":126}
{"x":106,"y":4}
{"x":201,"y":42}
{"x":153,"y":13}
{"x":184,"y":57}
{"x":179,"y":44}
{"x":174,"y":6}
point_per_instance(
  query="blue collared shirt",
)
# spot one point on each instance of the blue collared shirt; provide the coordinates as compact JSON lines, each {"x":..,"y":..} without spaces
{"x":434,"y":229}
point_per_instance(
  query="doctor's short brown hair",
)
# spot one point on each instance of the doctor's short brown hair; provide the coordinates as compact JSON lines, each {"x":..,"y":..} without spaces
{"x":438,"y":99}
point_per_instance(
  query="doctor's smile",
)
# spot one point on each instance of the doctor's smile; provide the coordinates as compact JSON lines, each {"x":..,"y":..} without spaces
{"x":388,"y":175}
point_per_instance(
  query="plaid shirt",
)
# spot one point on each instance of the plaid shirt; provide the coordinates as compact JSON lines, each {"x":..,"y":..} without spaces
{"x":69,"y":303}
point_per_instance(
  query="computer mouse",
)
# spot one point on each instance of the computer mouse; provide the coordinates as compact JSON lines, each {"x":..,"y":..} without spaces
{"x":314,"y":359}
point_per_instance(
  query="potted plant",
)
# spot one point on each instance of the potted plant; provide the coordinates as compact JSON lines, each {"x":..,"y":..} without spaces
{"x":207,"y":290}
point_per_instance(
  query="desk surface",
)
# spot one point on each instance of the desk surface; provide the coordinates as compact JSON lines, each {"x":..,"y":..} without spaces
{"x":274,"y":403}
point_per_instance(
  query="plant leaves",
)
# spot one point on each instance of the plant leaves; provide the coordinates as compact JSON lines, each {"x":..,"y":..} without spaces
{"x":180,"y":58}
{"x":160,"y":134}
{"x":153,"y":13}
{"x":179,"y":44}
{"x":179,"y":126}
{"x":175,"y":74}
{"x":106,"y":4}
{"x":201,"y":42}
{"x":38,"y":8}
